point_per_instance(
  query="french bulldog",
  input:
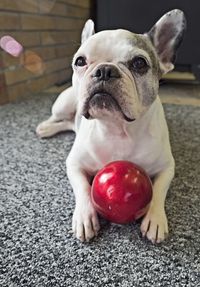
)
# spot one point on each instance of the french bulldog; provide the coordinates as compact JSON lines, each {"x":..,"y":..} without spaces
{"x":114,"y":108}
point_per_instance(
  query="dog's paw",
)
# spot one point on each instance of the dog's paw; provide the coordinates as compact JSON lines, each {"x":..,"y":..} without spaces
{"x":85,"y":223}
{"x":154,"y":225}
{"x":45,"y":129}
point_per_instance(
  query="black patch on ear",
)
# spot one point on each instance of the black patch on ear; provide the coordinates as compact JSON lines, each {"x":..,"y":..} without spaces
{"x":167,"y":32}
{"x":151,"y":34}
{"x":179,"y":39}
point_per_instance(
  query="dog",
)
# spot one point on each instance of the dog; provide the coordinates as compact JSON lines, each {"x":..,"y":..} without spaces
{"x":114,"y":108}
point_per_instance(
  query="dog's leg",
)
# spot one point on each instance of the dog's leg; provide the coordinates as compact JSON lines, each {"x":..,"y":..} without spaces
{"x":53,"y":126}
{"x":154,"y":225}
{"x":62,"y":118}
{"x":85,"y":223}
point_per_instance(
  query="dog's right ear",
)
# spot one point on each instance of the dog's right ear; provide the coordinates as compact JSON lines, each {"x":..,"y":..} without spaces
{"x":88,"y":30}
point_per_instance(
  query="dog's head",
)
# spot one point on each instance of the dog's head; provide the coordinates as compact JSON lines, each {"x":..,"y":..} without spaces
{"x":117,"y":72}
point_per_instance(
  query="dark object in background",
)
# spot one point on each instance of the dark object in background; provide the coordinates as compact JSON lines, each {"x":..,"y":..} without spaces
{"x":140,"y":15}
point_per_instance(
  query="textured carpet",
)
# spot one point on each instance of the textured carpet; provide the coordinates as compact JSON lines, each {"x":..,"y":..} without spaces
{"x":36,"y":206}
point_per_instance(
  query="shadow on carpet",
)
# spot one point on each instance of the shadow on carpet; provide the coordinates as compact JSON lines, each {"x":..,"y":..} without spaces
{"x":36,"y":207}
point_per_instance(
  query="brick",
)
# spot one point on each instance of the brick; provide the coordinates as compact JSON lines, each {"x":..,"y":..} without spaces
{"x":57,"y":64}
{"x":60,"y":37}
{"x":3,"y":90}
{"x":81,"y":3}
{"x":36,"y":85}
{"x":1,"y":60}
{"x":4,"y":99}
{"x":22,"y":73}
{"x":45,"y":53}
{"x":50,"y":35}
{"x":17,"y":75}
{"x":18,"y":91}
{"x":24,"y":89}
{"x":19,"y":5}
{"x":78,"y":12}
{"x":47,"y":38}
{"x":39,"y":84}
{"x":33,"y":63}
{"x":26,"y":39}
{"x":9,"y":60}
{"x":52,"y":8}
{"x":36,"y":22}
{"x":9,"y":21}
{"x":65,"y":50}
{"x":69,"y":24}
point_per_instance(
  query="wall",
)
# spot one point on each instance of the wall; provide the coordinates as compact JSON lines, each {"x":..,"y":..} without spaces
{"x":49,"y":31}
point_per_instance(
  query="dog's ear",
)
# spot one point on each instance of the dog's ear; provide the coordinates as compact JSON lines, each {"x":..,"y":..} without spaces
{"x":88,"y":30}
{"x":166,"y":36}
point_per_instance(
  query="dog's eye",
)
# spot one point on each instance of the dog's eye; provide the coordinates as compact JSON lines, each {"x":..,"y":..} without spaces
{"x":80,"y":61}
{"x":140,"y":65}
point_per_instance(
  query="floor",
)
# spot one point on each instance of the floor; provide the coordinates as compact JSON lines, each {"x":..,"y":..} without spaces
{"x":36,"y":207}
{"x":180,"y":94}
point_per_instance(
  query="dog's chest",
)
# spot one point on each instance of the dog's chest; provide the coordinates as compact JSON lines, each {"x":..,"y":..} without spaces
{"x":142,"y":151}
{"x":112,"y":148}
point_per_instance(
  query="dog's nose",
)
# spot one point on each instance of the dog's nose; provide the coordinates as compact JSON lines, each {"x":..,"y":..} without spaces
{"x":106,"y":72}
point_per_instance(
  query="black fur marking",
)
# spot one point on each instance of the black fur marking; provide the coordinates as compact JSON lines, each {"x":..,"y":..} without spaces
{"x":167,"y":32}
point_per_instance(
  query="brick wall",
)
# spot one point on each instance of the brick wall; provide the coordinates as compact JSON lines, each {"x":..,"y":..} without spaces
{"x":49,"y":31}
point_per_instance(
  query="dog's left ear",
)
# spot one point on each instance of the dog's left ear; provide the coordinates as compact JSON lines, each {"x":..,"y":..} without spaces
{"x":88,"y":30}
{"x":166,"y":36}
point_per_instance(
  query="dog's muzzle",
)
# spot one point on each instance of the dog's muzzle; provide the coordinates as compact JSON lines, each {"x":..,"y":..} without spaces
{"x":104,"y":77}
{"x":103,"y":100}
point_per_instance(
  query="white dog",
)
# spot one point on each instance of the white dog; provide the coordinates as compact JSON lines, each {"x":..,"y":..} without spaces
{"x":114,"y":108}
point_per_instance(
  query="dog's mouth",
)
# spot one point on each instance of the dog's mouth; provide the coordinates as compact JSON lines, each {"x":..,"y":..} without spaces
{"x":103,"y":100}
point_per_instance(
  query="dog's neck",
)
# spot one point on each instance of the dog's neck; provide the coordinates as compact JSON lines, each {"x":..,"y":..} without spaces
{"x":121,"y":128}
{"x":116,"y":128}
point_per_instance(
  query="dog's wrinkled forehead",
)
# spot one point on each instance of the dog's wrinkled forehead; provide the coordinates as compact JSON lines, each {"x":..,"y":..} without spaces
{"x":118,"y":45}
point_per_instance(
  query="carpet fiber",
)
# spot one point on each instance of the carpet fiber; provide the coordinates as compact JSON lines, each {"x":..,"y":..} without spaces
{"x":36,"y":207}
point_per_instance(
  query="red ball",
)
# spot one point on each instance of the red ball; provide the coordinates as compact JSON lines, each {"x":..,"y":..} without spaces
{"x":121,"y":192}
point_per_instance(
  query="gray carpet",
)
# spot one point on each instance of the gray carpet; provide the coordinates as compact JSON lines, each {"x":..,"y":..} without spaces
{"x":36,"y":205}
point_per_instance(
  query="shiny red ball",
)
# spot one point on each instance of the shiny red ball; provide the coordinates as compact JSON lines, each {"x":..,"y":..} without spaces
{"x":121,"y":192}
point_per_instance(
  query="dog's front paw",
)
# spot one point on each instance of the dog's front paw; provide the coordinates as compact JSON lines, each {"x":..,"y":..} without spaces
{"x":85,"y":223}
{"x":154,"y":225}
{"x":45,"y":129}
